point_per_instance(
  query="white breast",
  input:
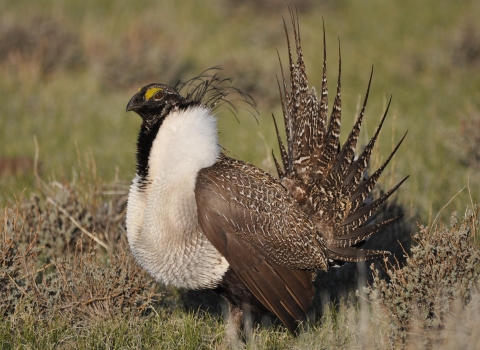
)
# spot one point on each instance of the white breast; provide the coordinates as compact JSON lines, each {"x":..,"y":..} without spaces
{"x":162,"y":225}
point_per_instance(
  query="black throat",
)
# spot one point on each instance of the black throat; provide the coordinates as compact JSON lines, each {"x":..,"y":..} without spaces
{"x":146,"y":136}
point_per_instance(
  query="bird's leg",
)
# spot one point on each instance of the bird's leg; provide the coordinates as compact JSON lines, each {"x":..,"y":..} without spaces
{"x":240,"y":324}
{"x":234,"y":325}
{"x":247,"y":322}
{"x":235,"y":317}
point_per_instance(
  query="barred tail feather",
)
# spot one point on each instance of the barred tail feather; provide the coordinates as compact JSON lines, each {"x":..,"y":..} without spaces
{"x":277,"y":166}
{"x":326,"y":180}
{"x":347,"y":154}
{"x":356,"y":170}
{"x":324,"y":98}
{"x":363,"y":232}
{"x":364,"y":189}
{"x":283,"y":152}
{"x":362,"y":214}
{"x":332,"y":138}
{"x":351,"y":254}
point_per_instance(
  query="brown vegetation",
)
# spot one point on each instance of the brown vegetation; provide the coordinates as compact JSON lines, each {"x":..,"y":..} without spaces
{"x":16,"y":165}
{"x":64,"y":256}
{"x":438,"y":283}
{"x":53,"y":261}
{"x":41,"y":41}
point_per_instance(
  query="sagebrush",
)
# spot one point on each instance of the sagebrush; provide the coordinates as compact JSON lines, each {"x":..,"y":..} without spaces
{"x":49,"y":263}
{"x":438,"y":283}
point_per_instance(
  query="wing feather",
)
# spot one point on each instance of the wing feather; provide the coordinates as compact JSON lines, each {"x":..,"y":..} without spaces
{"x":239,"y":229}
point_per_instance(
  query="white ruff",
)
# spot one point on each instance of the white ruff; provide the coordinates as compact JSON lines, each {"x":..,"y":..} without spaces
{"x":162,"y":225}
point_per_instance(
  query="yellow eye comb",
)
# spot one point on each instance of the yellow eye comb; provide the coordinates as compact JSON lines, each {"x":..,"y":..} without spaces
{"x":150,"y":92}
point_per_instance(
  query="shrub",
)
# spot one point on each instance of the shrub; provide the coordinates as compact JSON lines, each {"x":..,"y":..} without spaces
{"x":466,"y":143}
{"x":467,"y":46}
{"x":39,"y":40}
{"x":53,"y":261}
{"x":439,"y":280}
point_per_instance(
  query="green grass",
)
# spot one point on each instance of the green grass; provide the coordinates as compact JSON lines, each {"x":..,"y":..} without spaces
{"x":124,"y":45}
{"x":176,"y":330}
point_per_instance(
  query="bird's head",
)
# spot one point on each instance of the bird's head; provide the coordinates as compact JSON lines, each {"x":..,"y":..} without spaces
{"x":154,"y":101}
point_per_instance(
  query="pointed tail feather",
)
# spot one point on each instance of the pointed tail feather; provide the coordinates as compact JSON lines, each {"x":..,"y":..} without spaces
{"x":347,"y":154}
{"x":330,"y":178}
{"x":322,"y":122}
{"x":332,"y":138}
{"x":283,"y":152}
{"x":363,"y":190}
{"x":351,"y":254}
{"x":363,"y":232}
{"x":356,"y":170}
{"x":362,"y":214}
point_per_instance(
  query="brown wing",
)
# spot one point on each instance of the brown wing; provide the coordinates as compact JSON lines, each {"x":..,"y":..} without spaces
{"x":262,"y":233}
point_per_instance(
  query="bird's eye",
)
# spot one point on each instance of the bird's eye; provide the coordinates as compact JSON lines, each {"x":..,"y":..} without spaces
{"x":158,"y":95}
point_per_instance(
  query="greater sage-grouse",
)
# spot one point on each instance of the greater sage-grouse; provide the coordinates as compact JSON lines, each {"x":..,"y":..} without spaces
{"x":199,"y":219}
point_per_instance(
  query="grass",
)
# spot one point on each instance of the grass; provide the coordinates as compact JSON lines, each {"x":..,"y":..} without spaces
{"x":69,"y":68}
{"x":176,"y":330}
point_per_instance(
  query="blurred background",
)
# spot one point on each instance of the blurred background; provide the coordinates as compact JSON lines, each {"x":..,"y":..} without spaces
{"x":68,"y":69}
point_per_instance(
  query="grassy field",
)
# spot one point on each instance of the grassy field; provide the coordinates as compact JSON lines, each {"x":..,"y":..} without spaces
{"x":69,"y":68}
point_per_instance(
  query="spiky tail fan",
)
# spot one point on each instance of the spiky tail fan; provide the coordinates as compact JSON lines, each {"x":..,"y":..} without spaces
{"x":326,"y":180}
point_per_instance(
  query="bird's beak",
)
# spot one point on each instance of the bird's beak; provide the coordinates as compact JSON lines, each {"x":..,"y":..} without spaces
{"x":131,"y":104}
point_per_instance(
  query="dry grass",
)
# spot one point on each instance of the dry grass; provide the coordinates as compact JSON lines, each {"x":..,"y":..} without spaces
{"x":66,"y":272}
{"x":466,"y":142}
{"x":66,"y":255}
{"x":50,"y":47}
{"x":439,"y":281}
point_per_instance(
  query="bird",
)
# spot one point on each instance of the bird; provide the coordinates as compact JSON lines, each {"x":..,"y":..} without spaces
{"x":200,"y":219}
